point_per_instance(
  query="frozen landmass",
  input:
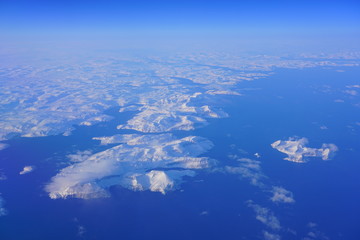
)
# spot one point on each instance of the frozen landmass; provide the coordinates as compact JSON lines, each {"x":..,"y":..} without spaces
{"x":165,"y":93}
{"x":223,"y":92}
{"x":93,"y":120}
{"x":297,"y":152}
{"x":172,"y":113}
{"x":42,"y":98}
{"x":140,"y":162}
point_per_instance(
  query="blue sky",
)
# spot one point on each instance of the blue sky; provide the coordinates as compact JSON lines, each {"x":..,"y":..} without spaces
{"x":337,"y":21}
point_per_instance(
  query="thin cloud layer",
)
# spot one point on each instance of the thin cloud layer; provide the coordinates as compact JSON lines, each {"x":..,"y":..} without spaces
{"x":296,"y":150}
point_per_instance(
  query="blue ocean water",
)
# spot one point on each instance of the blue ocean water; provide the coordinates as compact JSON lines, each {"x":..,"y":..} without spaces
{"x":211,"y":205}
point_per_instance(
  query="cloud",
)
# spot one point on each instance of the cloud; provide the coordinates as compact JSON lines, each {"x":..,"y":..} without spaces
{"x":314,"y":233}
{"x":297,"y":152}
{"x":3,"y":211}
{"x":247,"y":169}
{"x":80,"y":156}
{"x":265,"y":216}
{"x":312,"y":225}
{"x":2,"y":176}
{"x":353,"y":86}
{"x":3,"y":146}
{"x":281,"y":195}
{"x":351,"y":92}
{"x":140,"y":162}
{"x":26,"y":170}
{"x":81,"y":230}
{"x":204,"y":213}
{"x":251,"y":170}
{"x":271,"y":236}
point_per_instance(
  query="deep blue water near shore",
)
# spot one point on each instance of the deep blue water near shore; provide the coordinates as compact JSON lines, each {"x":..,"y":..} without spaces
{"x":211,"y":205}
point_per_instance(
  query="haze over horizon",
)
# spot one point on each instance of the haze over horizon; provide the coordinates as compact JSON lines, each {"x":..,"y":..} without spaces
{"x":141,"y":24}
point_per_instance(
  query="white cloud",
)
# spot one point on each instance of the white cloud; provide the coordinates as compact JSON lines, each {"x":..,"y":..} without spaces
{"x":351,"y":92}
{"x":353,"y":86}
{"x":265,"y":216}
{"x":247,"y":169}
{"x":314,"y":233}
{"x":26,"y":170}
{"x":81,"y":230}
{"x":80,"y":156}
{"x":312,"y":225}
{"x":204,"y":213}
{"x":251,"y":170}
{"x":271,"y":236}
{"x":297,"y":152}
{"x":2,"y":176}
{"x":282,"y":195}
{"x":3,"y":146}
{"x":141,"y":162}
{"x":3,"y":211}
